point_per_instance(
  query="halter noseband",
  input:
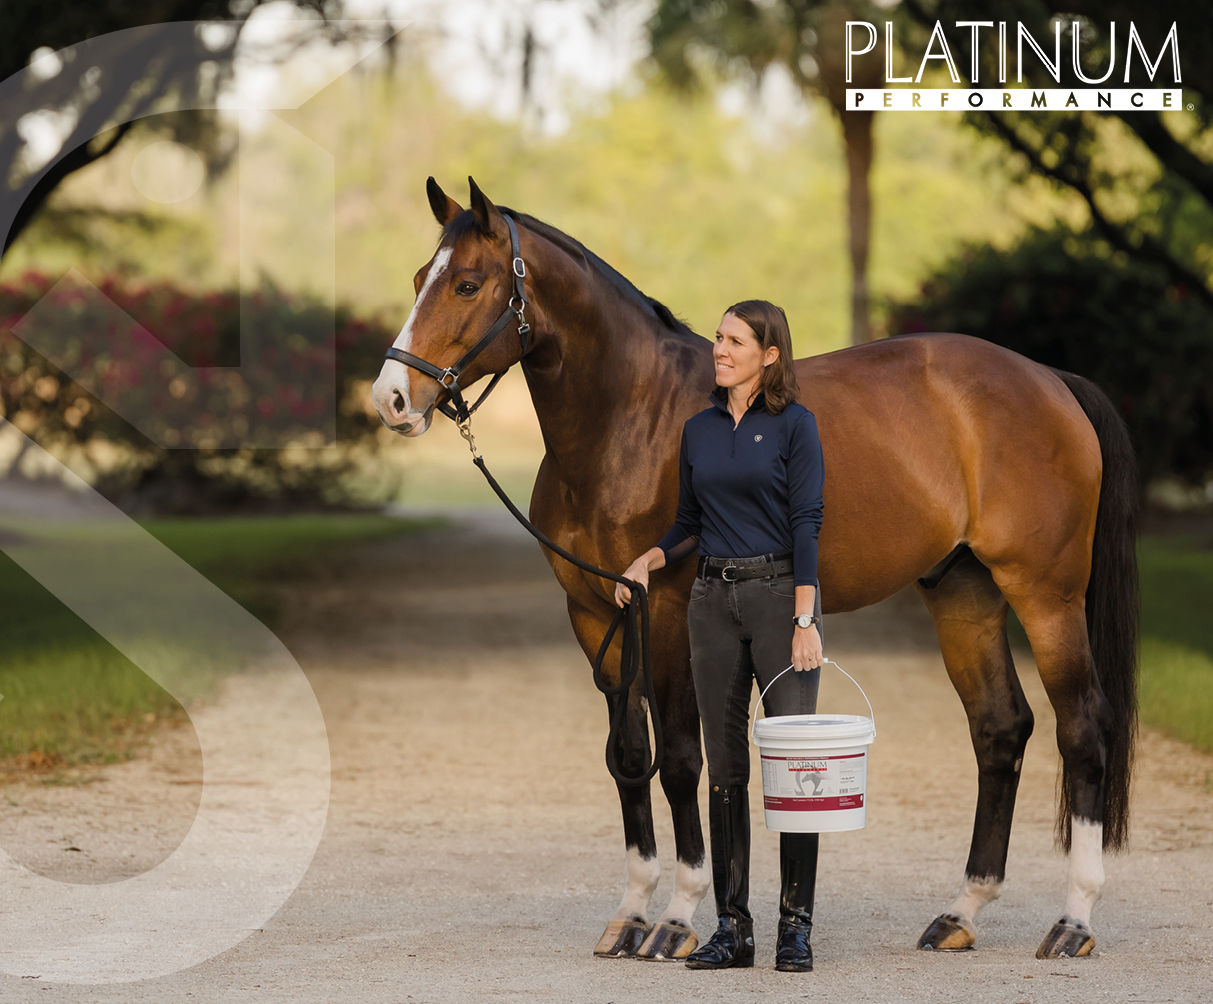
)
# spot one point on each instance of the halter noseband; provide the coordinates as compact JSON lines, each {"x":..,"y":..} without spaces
{"x":449,"y":377}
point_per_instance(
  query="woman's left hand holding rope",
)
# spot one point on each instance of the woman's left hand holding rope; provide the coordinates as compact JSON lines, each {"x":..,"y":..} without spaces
{"x":638,"y":572}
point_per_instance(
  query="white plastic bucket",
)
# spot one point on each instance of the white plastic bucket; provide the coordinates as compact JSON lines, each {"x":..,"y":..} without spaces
{"x":815,"y":768}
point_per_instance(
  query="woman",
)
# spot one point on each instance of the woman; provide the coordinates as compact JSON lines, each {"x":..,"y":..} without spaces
{"x":751,"y":477}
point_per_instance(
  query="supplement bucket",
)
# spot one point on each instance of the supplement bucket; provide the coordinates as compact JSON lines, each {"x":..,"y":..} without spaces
{"x":815,"y":768}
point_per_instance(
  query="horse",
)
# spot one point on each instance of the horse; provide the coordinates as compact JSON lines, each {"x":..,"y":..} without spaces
{"x":989,"y":481}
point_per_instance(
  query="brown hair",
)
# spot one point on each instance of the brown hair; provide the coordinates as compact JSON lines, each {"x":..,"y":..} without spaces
{"x":770,"y":326}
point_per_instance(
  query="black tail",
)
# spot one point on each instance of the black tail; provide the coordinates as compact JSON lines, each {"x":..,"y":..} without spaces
{"x":1112,"y":609}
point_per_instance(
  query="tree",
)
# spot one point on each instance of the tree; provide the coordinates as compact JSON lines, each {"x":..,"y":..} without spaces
{"x":92,"y":103}
{"x":1161,"y":215}
{"x":808,"y":38}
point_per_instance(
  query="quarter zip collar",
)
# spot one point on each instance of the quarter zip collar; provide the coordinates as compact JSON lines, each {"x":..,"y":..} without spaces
{"x":721,"y":401}
{"x":722,"y":405}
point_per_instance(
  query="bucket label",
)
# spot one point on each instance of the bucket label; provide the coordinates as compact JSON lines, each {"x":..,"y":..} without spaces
{"x":814,"y":783}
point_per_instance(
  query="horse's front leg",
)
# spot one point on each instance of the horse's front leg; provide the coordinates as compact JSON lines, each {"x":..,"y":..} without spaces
{"x":629,"y":927}
{"x":673,"y":938}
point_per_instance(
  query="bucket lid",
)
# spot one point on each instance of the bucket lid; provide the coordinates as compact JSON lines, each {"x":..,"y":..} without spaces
{"x":810,"y":727}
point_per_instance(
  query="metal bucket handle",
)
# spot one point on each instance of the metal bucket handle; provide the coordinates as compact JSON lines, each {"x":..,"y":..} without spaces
{"x":824,"y":660}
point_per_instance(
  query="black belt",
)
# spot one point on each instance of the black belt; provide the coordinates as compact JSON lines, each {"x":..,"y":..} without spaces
{"x":766,"y":566}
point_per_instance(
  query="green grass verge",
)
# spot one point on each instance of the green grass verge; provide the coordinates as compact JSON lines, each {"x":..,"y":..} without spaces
{"x":70,"y":697}
{"x":1177,"y":691}
{"x":1177,"y":637}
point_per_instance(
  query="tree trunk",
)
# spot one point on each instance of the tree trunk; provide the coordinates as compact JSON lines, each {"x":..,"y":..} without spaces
{"x":857,"y":132}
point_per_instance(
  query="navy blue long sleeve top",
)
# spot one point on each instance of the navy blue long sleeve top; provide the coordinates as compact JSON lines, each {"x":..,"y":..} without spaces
{"x":751,"y":490}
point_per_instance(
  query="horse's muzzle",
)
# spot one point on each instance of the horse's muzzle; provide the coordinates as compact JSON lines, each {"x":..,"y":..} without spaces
{"x":390,"y":396}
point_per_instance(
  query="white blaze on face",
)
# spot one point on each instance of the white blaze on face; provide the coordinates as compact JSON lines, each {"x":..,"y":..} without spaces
{"x":394,"y":376}
{"x":1086,"y":869}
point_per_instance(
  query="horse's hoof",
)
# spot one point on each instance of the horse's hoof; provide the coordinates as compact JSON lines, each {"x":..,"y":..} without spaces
{"x":668,"y":943}
{"x":1068,"y":940}
{"x":948,"y":933}
{"x":621,"y":939}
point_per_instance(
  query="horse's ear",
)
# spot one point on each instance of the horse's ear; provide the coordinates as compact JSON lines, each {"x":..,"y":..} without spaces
{"x":487,"y":215}
{"x":445,"y":208}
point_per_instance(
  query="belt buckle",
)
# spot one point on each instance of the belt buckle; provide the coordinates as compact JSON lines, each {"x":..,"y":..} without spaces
{"x":724,"y":572}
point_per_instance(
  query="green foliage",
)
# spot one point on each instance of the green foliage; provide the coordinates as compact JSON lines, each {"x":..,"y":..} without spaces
{"x":73,"y":698}
{"x":1066,"y":300}
{"x":697,"y":206}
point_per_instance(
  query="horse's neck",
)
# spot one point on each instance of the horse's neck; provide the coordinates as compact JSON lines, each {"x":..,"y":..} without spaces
{"x":595,"y":361}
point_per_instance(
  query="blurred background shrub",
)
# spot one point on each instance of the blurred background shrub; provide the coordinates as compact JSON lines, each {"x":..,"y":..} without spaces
{"x":202,"y":330}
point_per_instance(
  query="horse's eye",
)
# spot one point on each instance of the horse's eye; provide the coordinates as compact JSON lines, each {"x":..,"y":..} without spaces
{"x":466,"y":289}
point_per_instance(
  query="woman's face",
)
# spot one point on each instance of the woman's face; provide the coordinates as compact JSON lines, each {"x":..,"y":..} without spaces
{"x":739,"y":358}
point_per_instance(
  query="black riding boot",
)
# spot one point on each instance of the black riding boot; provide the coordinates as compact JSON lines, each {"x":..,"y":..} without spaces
{"x":729,"y":826}
{"x":798,"y":879}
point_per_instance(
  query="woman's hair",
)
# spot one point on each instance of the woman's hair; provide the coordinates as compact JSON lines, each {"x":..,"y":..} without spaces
{"x":770,"y":325}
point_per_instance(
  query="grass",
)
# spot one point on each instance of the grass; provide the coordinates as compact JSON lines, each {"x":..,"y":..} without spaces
{"x":71,"y":698}
{"x":1177,"y":637}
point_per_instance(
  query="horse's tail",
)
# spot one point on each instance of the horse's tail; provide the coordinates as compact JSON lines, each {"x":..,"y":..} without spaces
{"x":1112,"y":610}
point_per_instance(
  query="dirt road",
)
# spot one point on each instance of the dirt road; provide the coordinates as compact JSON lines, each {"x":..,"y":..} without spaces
{"x":473,"y":847}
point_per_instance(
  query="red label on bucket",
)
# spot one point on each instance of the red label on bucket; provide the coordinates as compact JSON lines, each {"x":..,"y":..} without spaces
{"x":814,"y":804}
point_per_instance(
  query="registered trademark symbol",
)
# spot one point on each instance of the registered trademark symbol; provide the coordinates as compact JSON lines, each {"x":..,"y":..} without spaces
{"x":1190,"y":107}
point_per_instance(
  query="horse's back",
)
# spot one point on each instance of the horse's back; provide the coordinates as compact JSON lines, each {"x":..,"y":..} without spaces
{"x":931,"y":440}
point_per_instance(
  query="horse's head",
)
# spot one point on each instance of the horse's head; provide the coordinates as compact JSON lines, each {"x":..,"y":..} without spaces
{"x":461,"y":291}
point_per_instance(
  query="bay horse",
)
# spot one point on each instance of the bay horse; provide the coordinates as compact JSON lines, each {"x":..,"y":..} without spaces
{"x":988,"y":480}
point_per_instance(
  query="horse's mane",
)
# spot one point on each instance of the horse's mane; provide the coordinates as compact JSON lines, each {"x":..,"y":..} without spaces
{"x":466,"y":222}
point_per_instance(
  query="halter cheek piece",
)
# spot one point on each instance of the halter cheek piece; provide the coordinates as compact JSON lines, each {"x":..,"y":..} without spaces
{"x":449,"y":377}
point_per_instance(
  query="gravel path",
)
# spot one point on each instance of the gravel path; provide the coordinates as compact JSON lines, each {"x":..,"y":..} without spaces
{"x":473,"y":846}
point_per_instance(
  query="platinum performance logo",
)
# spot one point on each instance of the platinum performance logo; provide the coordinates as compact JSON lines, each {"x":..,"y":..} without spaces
{"x":1093,"y":97}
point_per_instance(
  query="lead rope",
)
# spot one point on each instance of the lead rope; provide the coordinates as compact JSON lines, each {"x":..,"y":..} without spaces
{"x":634,"y":657}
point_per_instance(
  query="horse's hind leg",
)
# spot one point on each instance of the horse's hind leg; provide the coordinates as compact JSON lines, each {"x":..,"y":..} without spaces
{"x":1058,"y":632}
{"x":970,"y":616}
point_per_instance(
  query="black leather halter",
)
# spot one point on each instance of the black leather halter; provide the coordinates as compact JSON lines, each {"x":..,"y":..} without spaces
{"x":449,"y":377}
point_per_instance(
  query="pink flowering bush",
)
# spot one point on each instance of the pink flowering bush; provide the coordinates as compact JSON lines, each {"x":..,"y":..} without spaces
{"x":198,"y":419}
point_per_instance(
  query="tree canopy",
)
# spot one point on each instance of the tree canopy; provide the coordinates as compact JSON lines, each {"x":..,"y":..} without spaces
{"x":83,"y":103}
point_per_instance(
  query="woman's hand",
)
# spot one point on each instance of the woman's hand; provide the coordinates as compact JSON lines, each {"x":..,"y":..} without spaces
{"x":638,"y":571}
{"x":806,"y":648}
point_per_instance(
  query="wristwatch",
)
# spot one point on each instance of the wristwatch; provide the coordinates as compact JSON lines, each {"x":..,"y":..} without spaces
{"x":806,"y":620}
